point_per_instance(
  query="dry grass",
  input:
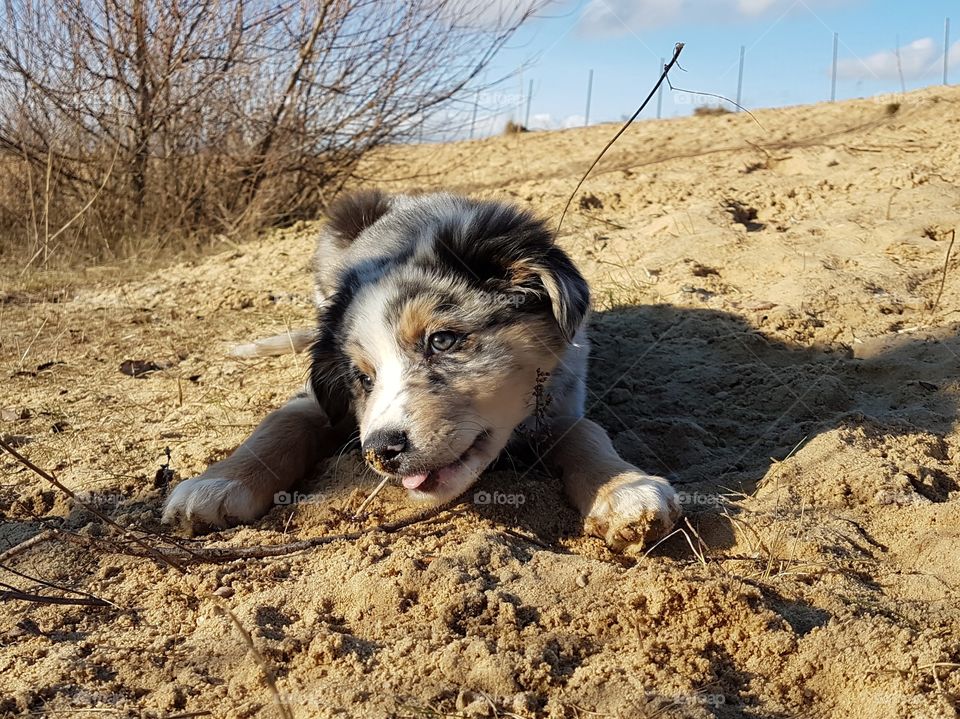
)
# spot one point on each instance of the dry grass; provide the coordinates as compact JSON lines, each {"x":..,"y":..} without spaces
{"x":710,"y":110}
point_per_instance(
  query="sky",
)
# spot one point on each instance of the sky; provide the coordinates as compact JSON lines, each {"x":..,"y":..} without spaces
{"x":787,"y":58}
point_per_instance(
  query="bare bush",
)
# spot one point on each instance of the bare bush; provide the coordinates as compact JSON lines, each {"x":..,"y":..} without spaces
{"x":710,"y":110}
{"x":127,"y":124}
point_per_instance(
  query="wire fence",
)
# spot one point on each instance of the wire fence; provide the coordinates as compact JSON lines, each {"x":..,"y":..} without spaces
{"x":490,"y":113}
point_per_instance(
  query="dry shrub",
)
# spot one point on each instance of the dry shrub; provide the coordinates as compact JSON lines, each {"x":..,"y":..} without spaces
{"x":134,"y":125}
{"x":708,"y":110}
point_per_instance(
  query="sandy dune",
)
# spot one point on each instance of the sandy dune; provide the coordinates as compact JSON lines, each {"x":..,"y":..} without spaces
{"x":767,"y":333}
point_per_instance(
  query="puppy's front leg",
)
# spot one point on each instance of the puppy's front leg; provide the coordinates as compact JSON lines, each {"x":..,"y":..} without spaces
{"x":619,"y":503}
{"x":240,"y":488}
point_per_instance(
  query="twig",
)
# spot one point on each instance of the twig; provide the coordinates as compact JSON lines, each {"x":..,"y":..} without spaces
{"x":946,"y":262}
{"x":96,"y":512}
{"x":933,"y":666}
{"x":719,"y":97}
{"x":53,"y":585}
{"x":48,"y":238}
{"x":374,"y":493}
{"x":150,"y":551}
{"x":699,"y":551}
{"x":265,"y":667}
{"x":681,"y":531}
{"x":677,"y":49}
{"x":8,"y":594}
{"x":50,"y":478}
{"x":220,"y":555}
{"x":27,"y":544}
{"x":614,"y":225}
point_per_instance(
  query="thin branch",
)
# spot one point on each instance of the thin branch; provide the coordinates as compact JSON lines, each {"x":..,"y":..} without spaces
{"x":53,"y":585}
{"x":27,"y":544}
{"x":946,"y":262}
{"x":222,"y":555}
{"x":719,"y":97}
{"x":152,"y":551}
{"x":678,"y":48}
{"x":8,"y":594}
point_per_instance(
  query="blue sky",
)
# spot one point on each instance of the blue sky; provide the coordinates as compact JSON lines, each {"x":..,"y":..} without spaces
{"x":789,"y":48}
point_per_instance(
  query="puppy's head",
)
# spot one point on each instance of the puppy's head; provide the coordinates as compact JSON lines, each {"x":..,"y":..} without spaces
{"x":436,"y":343}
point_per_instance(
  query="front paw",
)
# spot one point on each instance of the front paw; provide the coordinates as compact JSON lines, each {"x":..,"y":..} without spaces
{"x":637,"y":511}
{"x":213,"y":502}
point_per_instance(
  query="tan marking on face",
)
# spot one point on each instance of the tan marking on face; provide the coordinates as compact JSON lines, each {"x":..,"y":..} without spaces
{"x":524,"y":348}
{"x":360,"y":358}
{"x":533,"y":337}
{"x":418,"y":317}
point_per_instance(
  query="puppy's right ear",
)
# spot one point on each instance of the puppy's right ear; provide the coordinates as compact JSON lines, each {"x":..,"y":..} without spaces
{"x":352,"y":213}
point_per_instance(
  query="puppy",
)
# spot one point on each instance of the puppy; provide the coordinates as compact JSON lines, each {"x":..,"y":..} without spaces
{"x":439,"y":317}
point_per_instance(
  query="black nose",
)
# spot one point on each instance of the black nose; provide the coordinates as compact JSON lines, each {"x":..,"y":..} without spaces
{"x":385,"y":444}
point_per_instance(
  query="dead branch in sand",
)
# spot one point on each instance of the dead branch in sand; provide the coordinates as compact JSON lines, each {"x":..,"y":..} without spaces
{"x":374,"y":493}
{"x":149,"y":551}
{"x":8,"y":593}
{"x":81,"y":598}
{"x":129,"y":544}
{"x":184,"y":556}
{"x":93,"y":510}
{"x":946,"y":263}
{"x":664,"y":77}
{"x":678,"y":48}
{"x":27,"y":544}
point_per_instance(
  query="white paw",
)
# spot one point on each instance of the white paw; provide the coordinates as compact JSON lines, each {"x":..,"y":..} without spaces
{"x":215,"y":502}
{"x":639,"y":511}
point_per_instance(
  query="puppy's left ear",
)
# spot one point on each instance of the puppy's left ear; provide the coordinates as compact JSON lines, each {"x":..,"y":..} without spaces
{"x":568,"y":292}
{"x":352,"y":213}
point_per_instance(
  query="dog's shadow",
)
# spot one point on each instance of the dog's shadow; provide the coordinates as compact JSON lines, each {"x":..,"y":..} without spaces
{"x":702,"y":397}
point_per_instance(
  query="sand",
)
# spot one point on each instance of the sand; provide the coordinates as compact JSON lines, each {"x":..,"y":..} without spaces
{"x":767,"y":332}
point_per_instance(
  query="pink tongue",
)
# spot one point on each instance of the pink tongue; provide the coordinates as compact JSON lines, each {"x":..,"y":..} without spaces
{"x":415,"y":480}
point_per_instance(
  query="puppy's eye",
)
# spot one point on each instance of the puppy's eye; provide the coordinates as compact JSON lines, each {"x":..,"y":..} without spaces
{"x":366,"y":381}
{"x":442,"y":341}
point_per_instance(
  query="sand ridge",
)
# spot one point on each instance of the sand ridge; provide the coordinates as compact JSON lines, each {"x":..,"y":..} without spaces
{"x":765,"y":333}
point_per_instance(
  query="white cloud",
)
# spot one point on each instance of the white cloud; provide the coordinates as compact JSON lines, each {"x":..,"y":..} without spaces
{"x":617,"y":17}
{"x":918,"y":59}
{"x":755,"y":7}
{"x":620,"y":17}
{"x":541,"y":121}
{"x":546,"y":121}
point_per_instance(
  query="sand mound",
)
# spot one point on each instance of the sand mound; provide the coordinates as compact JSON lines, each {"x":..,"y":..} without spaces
{"x":770,"y":332}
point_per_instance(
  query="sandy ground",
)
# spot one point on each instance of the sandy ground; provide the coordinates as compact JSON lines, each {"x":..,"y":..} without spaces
{"x":767,"y":333}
